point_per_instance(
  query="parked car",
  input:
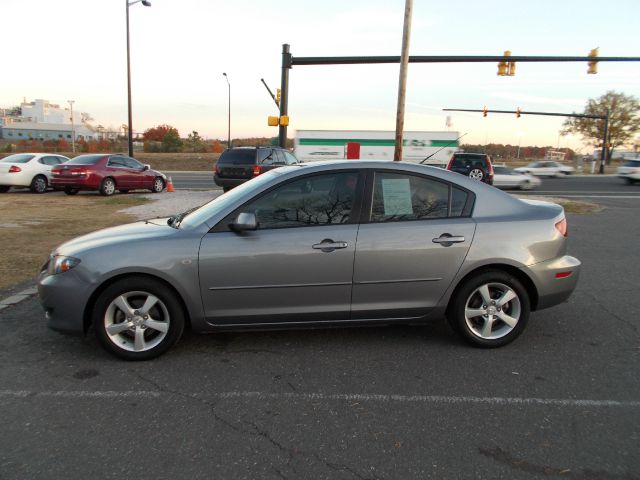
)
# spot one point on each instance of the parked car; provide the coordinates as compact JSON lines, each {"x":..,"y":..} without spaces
{"x":106,"y":173}
{"x":505,"y":177}
{"x":476,"y":166}
{"x":630,"y":170}
{"x":237,"y":165}
{"x":32,"y":170}
{"x":546,"y":168}
{"x":324,"y":244}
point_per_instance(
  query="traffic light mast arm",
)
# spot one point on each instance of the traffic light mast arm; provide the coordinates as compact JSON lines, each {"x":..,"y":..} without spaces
{"x":522,"y":112}
{"x":270,"y":92}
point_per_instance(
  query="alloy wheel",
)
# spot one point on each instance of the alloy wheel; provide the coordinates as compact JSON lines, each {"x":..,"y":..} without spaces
{"x":492,"y":311}
{"x":136,"y":321}
{"x":476,"y":174}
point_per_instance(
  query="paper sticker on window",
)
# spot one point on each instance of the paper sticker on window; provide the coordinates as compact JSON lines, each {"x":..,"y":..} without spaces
{"x":396,"y":193}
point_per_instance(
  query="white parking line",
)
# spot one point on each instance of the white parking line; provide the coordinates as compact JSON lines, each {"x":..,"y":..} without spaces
{"x":345,"y":397}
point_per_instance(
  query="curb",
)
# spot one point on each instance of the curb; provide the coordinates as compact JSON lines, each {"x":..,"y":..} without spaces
{"x":18,"y":297}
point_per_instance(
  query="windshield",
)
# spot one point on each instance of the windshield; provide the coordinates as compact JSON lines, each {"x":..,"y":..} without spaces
{"x":85,"y":160}
{"x":208,"y":210}
{"x":18,"y":158}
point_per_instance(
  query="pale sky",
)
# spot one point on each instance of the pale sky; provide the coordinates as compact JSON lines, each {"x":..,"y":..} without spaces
{"x":76,"y":49}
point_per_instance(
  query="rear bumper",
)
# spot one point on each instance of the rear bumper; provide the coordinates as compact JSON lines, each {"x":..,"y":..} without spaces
{"x":19,"y":179}
{"x":553,"y":289}
{"x":228,"y":182}
{"x":81,"y":184}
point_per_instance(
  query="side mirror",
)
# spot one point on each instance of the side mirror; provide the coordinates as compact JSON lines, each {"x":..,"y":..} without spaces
{"x":246,"y":221}
{"x":146,"y":167}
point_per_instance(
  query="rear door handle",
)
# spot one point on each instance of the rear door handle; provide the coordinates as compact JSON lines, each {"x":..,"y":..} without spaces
{"x":327,"y":245}
{"x":446,"y":239}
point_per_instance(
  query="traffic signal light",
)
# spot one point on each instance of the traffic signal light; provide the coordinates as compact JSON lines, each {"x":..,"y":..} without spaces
{"x":484,"y":111}
{"x":506,"y":69}
{"x":518,"y":112}
{"x":278,"y":96}
{"x":593,"y":64}
{"x":282,"y":121}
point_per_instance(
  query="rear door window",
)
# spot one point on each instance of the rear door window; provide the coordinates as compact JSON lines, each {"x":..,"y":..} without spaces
{"x":401,"y":197}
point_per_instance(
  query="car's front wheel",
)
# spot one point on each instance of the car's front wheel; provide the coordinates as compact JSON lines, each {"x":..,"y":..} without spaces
{"x":138,"y":318}
{"x":158,"y":185}
{"x":526,"y":185}
{"x":490,"y":309}
{"x":108,"y":187}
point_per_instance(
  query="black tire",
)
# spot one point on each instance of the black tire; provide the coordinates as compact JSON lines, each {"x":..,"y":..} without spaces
{"x":4,"y":188}
{"x":158,"y":185}
{"x":525,"y":185}
{"x":107,"y":187}
{"x":499,"y":333}
{"x":136,"y":290}
{"x":630,"y":181}
{"x":39,"y":184}
{"x":71,"y":191}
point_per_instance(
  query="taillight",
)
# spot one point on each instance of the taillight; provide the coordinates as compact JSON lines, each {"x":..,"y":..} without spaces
{"x":14,"y":169}
{"x":216,"y":169}
{"x":56,"y":172}
{"x":257,"y":170}
{"x":490,"y":169}
{"x":450,"y":163}
{"x":561,"y":226}
{"x":79,"y":171}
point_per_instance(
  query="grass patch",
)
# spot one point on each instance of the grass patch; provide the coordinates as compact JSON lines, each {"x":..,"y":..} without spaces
{"x":33,"y":225}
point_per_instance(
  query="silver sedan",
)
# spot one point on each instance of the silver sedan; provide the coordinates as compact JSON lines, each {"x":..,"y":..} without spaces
{"x":327,"y":244}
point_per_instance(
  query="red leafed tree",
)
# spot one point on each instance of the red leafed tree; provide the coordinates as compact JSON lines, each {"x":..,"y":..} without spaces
{"x":63,"y":145}
{"x":217,"y":147}
{"x":156,"y":134}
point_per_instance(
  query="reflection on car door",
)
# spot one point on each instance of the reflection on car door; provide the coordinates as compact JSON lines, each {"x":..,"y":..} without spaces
{"x":297,"y":266}
{"x":404,"y":263}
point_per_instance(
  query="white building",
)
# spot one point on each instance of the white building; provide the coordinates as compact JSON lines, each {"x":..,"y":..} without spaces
{"x":41,"y":111}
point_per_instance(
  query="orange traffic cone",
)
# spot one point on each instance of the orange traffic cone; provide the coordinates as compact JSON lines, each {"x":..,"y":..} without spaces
{"x":169,"y":185}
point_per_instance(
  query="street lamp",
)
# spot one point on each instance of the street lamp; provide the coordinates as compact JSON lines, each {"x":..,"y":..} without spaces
{"x":229,"y":109}
{"x":73,"y":130}
{"x":146,"y":3}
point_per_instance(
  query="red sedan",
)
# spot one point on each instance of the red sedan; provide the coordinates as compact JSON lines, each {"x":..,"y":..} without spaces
{"x":106,"y":173}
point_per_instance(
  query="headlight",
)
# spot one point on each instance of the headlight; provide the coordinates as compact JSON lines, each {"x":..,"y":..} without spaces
{"x":61,"y":264}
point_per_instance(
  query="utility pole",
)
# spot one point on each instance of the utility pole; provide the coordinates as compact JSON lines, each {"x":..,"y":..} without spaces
{"x":402,"y":83}
{"x":73,"y":130}
{"x":284,"y":95}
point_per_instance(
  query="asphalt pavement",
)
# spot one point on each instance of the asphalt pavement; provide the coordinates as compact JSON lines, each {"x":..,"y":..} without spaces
{"x":563,"y":401}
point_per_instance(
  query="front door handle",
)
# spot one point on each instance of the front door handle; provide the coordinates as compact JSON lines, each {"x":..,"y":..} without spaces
{"x":327,"y":245}
{"x":446,"y":239}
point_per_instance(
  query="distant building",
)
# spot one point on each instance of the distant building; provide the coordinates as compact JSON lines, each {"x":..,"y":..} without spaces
{"x":41,"y":120}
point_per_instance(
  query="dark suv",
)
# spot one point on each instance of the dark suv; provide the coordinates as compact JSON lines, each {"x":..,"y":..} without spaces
{"x":474,"y":165}
{"x":239,"y":164}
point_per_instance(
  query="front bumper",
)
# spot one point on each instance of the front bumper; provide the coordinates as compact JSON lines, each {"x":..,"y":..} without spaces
{"x":553,"y":284}
{"x":63,"y":298}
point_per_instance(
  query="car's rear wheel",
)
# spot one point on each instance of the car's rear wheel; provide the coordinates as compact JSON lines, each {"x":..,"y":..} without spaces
{"x":4,"y":188}
{"x":476,"y":174}
{"x":158,"y":185}
{"x":39,"y":184}
{"x":491,"y":309}
{"x":108,"y":187}
{"x":71,"y":191}
{"x":526,"y":185}
{"x":138,"y":318}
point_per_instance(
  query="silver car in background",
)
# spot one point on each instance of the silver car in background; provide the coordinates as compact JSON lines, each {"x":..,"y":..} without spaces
{"x":505,"y":177}
{"x":323,"y":244}
{"x":31,"y":170}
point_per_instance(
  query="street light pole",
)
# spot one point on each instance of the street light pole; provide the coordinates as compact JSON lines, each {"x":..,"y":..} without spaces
{"x":229,"y":111}
{"x":146,"y":3}
{"x":73,"y":130}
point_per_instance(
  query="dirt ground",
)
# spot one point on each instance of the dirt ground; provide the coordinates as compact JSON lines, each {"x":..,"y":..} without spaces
{"x":31,"y":226}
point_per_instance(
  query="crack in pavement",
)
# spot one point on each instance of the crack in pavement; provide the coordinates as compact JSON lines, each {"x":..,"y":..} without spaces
{"x":256,"y":431}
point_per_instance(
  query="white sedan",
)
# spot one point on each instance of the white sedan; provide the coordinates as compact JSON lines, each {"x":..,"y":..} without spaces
{"x":505,"y":177}
{"x":630,"y":170}
{"x":32,"y":170}
{"x":546,"y":168}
